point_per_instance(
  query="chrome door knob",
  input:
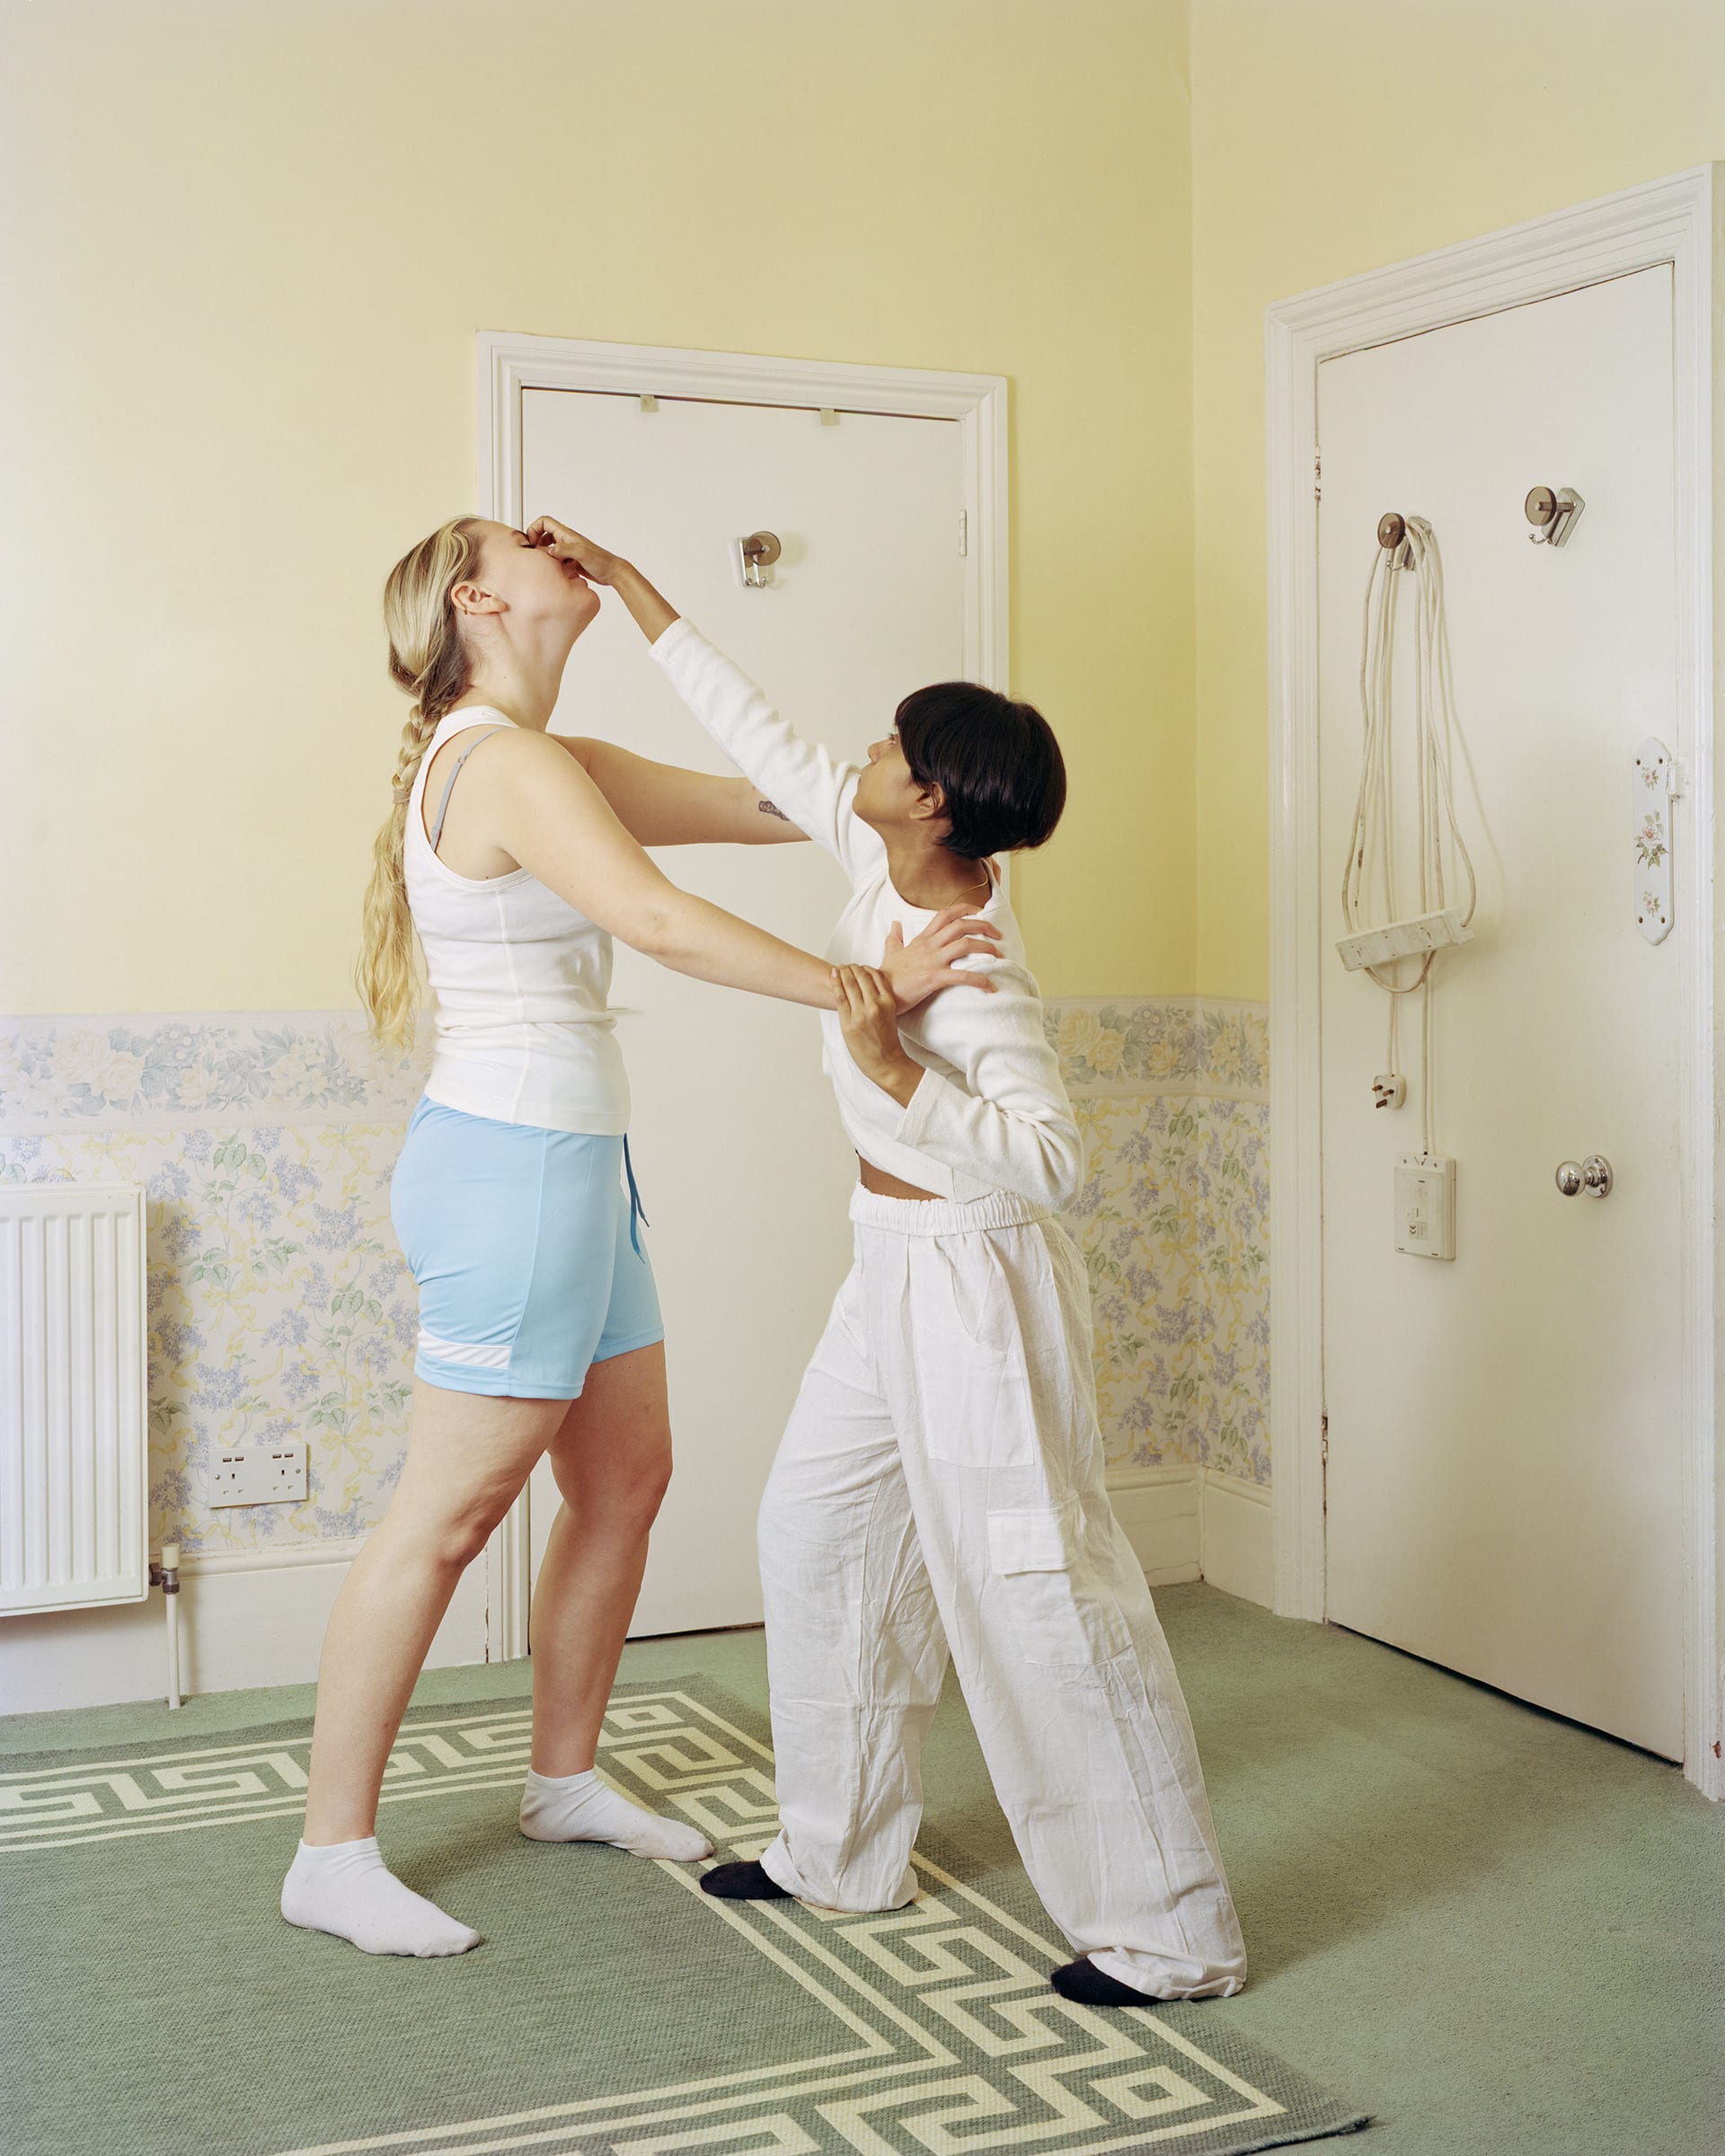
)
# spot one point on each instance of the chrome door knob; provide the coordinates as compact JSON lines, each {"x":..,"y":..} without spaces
{"x":1592,"y":1176}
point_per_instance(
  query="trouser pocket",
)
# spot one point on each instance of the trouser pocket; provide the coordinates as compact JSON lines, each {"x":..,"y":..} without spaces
{"x":1061,"y":1614}
{"x":977,"y":1405}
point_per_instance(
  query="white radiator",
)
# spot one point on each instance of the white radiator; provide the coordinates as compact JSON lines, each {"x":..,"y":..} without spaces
{"x":73,"y":1397}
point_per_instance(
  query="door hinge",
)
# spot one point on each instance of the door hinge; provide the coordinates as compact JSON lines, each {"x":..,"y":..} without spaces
{"x":964,"y":531}
{"x":1317,"y":475}
{"x":1324,"y":1462}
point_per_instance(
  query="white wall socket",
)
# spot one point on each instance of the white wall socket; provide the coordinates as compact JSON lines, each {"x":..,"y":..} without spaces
{"x":259,"y":1474}
{"x":1425,"y":1206}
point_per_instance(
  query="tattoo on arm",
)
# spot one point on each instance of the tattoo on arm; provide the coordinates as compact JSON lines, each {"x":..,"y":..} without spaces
{"x":766,"y":807}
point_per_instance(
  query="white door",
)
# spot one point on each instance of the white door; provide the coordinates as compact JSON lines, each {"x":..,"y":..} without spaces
{"x":1503,"y":1492}
{"x":744,"y":1169}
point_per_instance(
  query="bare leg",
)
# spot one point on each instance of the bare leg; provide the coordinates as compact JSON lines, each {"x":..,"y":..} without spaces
{"x":611,"y":1459}
{"x":467,"y":1457}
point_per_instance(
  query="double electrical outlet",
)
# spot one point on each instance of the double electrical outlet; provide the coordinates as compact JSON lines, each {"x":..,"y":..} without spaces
{"x":259,"y":1474}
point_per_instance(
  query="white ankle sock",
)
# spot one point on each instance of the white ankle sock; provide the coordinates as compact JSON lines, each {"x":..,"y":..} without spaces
{"x":578,"y":1808}
{"x":347,"y":1889}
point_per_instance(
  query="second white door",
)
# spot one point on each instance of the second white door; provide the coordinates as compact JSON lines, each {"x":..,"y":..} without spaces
{"x":1503,"y":1490}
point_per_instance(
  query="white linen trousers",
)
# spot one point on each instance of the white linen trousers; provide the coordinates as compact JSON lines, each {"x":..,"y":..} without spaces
{"x":940,"y":1488}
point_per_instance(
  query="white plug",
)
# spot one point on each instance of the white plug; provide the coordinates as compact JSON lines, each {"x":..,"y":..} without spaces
{"x":1389,"y":1091}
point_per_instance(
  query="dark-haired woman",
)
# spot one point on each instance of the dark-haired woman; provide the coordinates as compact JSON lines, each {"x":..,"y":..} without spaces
{"x":940,"y":1489}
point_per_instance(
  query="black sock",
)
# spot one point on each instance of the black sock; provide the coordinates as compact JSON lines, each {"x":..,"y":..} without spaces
{"x":742,"y":1883}
{"x":1091,"y":1986}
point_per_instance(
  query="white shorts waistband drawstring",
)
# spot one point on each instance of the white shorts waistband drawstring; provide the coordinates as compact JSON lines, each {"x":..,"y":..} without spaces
{"x":941,"y":1215}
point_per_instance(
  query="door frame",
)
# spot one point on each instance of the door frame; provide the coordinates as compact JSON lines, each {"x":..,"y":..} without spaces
{"x":507,"y":362}
{"x":1672,"y":221}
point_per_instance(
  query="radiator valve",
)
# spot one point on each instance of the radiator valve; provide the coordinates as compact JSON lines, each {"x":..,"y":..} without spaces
{"x":166,"y":1575}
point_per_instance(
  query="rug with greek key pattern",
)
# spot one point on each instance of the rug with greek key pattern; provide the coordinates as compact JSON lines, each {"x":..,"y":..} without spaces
{"x":155,"y":2003}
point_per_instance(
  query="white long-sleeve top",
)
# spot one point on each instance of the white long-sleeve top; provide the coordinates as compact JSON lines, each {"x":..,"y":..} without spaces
{"x":991,"y":1111}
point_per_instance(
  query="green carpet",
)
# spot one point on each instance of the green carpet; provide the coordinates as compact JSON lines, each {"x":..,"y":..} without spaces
{"x":1496,"y":1932}
{"x":614,"y":2006}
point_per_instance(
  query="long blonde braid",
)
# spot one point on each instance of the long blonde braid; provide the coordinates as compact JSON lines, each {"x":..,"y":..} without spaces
{"x":427,"y":659}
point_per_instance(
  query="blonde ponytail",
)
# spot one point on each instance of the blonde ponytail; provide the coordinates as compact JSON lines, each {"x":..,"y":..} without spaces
{"x":428,"y":660}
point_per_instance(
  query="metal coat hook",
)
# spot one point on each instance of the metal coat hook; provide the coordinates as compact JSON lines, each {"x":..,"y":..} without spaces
{"x":757,"y":553}
{"x":1553,"y":514}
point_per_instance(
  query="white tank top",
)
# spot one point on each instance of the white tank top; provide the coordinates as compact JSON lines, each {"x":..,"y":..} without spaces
{"x":524,"y":1030}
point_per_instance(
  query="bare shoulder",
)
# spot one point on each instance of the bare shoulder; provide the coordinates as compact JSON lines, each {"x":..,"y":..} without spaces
{"x":520,"y":770}
{"x":525,"y":754}
{"x":485,"y":748}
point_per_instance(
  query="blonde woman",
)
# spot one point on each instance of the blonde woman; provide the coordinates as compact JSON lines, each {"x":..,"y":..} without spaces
{"x":515,"y":856}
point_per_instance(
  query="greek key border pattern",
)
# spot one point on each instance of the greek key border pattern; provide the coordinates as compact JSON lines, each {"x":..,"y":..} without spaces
{"x":947,"y":2035}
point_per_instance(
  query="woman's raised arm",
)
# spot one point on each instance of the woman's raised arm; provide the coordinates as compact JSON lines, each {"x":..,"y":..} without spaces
{"x":663,"y":805}
{"x":657,"y":804}
{"x":799,"y":777}
{"x":550,"y":816}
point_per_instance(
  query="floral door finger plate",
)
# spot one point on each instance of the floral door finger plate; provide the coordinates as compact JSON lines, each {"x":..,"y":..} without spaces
{"x":1653,"y":791}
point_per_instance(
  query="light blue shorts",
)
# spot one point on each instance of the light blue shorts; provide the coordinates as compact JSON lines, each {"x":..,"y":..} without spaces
{"x":525,"y":1247}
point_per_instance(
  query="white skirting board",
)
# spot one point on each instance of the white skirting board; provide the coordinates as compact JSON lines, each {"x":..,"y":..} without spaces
{"x":1158,"y":1508}
{"x":1237,"y":1555}
{"x":243,"y":1622}
{"x":1197,"y":1523}
{"x":260,"y":1621}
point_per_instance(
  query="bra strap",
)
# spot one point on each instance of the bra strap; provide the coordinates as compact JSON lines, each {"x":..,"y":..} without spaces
{"x":443,"y":805}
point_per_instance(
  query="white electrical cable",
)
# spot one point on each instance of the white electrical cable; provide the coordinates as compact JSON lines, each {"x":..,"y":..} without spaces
{"x":1372,"y":846}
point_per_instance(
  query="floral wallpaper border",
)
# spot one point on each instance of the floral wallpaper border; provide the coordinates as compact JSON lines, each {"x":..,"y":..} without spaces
{"x":156,"y":1072}
{"x":134,"y":1073}
{"x":279,"y":1305}
{"x":1122,"y":1045}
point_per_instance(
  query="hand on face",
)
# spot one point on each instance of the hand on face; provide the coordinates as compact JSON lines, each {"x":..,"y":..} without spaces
{"x":591,"y":560}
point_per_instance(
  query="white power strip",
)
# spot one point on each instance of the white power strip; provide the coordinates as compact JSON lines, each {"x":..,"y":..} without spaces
{"x":1404,"y":938}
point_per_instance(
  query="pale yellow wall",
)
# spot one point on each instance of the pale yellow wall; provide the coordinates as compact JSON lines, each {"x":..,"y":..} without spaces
{"x":237,"y":379}
{"x":239,"y":382}
{"x":1331,"y":136}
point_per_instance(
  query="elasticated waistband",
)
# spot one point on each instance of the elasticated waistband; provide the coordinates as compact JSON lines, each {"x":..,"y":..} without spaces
{"x":943,"y":1217}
